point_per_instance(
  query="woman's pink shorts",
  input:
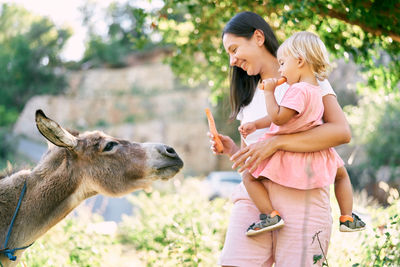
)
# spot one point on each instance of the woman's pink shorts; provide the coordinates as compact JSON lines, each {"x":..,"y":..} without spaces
{"x":305,"y":213}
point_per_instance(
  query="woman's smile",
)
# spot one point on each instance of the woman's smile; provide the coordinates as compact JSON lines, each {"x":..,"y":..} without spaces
{"x":244,"y":66}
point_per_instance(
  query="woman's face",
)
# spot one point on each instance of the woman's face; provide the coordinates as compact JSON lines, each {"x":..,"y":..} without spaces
{"x":244,"y":53}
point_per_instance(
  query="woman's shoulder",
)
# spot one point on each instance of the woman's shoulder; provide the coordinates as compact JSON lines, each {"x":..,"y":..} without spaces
{"x":280,"y":91}
{"x":326,"y":87}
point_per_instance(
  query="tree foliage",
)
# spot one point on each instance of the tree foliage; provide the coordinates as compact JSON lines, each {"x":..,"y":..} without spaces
{"x":375,"y":128}
{"x":127,"y":31}
{"x":29,"y":59}
{"x":367,"y":32}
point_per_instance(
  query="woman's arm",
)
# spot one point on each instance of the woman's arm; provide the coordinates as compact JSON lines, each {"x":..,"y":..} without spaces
{"x":334,"y":131}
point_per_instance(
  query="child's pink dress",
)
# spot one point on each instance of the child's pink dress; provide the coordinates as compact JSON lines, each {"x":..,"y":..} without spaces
{"x":300,"y":170}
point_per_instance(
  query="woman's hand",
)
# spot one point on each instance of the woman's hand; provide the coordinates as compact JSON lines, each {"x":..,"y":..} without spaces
{"x":251,"y":156}
{"x":229,"y":146}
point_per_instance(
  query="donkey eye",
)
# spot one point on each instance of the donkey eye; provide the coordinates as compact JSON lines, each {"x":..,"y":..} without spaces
{"x":109,"y":146}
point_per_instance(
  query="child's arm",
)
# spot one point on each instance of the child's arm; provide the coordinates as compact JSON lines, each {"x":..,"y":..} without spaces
{"x":249,"y":127}
{"x":278,"y":115}
{"x":262,"y":123}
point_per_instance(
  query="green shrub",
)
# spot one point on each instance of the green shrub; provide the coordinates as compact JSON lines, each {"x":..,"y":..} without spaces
{"x":7,"y":147}
{"x":375,"y":127}
{"x":383,"y":147}
{"x":8,"y":115}
{"x":383,"y":247}
{"x":70,"y":243}
{"x":378,"y":245}
{"x":178,"y":229}
{"x":29,"y":59}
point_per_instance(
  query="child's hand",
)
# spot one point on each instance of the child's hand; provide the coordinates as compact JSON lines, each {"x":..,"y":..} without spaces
{"x":247,"y":129}
{"x":268,"y":84}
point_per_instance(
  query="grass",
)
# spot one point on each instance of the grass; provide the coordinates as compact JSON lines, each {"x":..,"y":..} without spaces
{"x":180,"y":227}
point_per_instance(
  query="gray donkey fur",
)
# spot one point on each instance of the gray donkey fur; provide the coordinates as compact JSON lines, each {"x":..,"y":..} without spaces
{"x":75,"y":168}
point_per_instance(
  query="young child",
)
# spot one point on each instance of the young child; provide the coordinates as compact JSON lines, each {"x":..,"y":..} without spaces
{"x":303,"y":59}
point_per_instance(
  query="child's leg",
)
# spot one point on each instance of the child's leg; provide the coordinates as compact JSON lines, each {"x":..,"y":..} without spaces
{"x":269,"y":218}
{"x":349,"y":222}
{"x":258,"y":193}
{"x":344,"y":191}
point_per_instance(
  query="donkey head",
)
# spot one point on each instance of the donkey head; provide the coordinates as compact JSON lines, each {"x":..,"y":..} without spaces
{"x":76,"y":167}
{"x":104,"y":164}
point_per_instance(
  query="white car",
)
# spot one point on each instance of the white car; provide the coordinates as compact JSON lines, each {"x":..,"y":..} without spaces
{"x":222,"y":183}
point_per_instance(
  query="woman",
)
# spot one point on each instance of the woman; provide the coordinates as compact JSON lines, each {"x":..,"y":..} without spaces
{"x":252,"y":47}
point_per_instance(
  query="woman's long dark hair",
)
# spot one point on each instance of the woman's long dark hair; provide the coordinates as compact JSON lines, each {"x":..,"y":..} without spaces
{"x":242,"y":86}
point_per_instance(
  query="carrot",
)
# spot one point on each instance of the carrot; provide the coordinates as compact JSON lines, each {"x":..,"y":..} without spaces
{"x":281,"y":81}
{"x":278,"y":82}
{"x":211,"y":125}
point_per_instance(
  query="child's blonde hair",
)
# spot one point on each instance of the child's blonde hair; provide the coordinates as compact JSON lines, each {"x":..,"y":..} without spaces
{"x":308,"y":46}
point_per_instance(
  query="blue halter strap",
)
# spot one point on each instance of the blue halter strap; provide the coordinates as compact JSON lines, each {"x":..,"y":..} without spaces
{"x":10,"y":252}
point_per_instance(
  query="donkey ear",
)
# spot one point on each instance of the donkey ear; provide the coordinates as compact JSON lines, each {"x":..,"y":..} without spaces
{"x":54,"y":132}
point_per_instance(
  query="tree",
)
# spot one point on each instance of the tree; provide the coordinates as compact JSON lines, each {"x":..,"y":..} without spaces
{"x":367,"y":32}
{"x":29,"y":59}
{"x":127,"y":32}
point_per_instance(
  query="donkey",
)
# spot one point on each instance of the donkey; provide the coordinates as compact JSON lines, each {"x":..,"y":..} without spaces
{"x":75,"y":167}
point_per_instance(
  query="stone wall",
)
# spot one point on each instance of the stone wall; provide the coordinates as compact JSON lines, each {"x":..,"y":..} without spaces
{"x":146,"y":103}
{"x":142,"y":103}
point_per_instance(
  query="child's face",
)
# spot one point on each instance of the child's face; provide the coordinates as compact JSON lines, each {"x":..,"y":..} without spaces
{"x":288,"y":67}
{"x":243,"y":53}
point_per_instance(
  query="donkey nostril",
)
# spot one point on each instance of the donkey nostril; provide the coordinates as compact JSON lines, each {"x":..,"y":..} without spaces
{"x":170,"y":150}
{"x":170,"y":156}
{"x":167,"y":151}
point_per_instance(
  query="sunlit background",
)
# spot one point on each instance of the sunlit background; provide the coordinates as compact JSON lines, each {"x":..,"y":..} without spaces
{"x":145,"y":71}
{"x":68,"y":14}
